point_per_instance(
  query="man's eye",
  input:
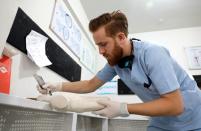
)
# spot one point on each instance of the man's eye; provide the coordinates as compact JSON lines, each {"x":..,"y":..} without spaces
{"x":104,"y":44}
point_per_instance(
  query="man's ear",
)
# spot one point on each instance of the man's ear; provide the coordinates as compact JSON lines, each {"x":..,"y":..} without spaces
{"x":121,"y":38}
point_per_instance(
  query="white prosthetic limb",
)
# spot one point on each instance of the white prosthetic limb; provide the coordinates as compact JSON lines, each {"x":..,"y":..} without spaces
{"x":73,"y":102}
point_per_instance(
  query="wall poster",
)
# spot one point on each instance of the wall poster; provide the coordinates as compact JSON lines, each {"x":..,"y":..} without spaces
{"x":65,"y":27}
{"x":194,"y":57}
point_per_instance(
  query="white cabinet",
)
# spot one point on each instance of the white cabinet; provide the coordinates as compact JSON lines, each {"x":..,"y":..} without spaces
{"x":19,"y":114}
{"x":127,"y":125}
{"x":88,"y":123}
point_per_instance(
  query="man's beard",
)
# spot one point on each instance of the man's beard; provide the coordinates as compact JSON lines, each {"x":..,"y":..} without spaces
{"x":115,"y":55}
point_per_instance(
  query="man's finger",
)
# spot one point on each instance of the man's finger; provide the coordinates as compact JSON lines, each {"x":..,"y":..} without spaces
{"x":43,"y":91}
{"x":46,"y":85}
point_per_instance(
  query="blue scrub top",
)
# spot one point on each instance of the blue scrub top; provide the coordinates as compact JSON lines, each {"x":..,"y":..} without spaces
{"x":166,"y":74}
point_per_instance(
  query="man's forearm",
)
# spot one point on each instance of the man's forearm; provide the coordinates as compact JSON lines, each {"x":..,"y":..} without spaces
{"x":168,"y":105}
{"x":158,"y":107}
{"x":76,"y":87}
{"x":84,"y":86}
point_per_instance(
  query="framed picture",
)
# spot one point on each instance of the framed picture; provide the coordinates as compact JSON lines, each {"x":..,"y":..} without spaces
{"x":194,"y":57}
{"x":65,"y":27}
{"x":68,"y":30}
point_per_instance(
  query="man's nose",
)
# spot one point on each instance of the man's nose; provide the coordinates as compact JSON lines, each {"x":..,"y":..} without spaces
{"x":101,"y":50}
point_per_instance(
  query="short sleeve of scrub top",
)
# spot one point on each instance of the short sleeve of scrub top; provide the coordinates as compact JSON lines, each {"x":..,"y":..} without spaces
{"x":107,"y":73}
{"x":161,"y":71}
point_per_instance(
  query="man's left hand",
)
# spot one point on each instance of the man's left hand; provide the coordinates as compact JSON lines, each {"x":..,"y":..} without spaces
{"x":112,"y":109}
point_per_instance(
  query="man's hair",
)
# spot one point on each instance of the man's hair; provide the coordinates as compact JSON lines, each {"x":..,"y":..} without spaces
{"x":114,"y":22}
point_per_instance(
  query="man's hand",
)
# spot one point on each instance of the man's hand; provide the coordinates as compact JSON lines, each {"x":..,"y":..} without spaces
{"x":47,"y":87}
{"x":112,"y":109}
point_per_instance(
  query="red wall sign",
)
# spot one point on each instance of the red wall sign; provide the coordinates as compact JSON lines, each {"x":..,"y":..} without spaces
{"x":5,"y":72}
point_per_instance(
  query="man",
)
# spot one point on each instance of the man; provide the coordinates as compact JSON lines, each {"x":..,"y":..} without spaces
{"x":170,"y":96}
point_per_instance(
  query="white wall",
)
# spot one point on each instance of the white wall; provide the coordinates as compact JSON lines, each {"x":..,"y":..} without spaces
{"x":40,"y":11}
{"x":175,"y":40}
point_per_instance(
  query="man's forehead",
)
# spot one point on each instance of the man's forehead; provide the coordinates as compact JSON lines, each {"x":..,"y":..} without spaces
{"x":99,"y":37}
{"x":100,"y":32}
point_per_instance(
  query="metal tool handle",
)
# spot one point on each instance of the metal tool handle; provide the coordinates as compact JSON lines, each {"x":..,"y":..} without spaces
{"x":40,"y":80}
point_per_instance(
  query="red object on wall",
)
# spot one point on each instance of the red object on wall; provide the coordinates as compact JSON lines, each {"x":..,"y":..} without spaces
{"x":5,"y":72}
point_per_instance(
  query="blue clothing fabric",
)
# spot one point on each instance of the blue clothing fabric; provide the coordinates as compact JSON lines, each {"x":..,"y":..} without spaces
{"x":152,"y":128}
{"x":155,"y":62}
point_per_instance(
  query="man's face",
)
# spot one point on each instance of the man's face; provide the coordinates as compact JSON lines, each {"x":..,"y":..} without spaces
{"x":108,"y":46}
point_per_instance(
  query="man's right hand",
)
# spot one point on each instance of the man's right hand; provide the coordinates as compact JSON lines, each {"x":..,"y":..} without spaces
{"x":47,"y":87}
